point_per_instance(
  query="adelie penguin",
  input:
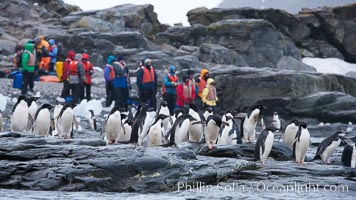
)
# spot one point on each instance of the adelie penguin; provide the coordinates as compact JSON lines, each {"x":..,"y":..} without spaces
{"x":92,"y":120}
{"x":32,"y":109}
{"x":290,"y":132}
{"x":156,"y":131}
{"x":264,"y":144}
{"x":211,"y":131}
{"x":276,"y":122}
{"x":248,"y":124}
{"x":301,"y":143}
{"x":113,"y":126}
{"x":167,"y":122}
{"x":138,"y":123}
{"x":20,"y":115}
{"x":65,"y":121}
{"x":208,"y":111}
{"x":179,"y":130}
{"x":328,"y":146}
{"x":148,"y":120}
{"x":229,"y":134}
{"x":195,"y":130}
{"x":42,"y":120}
{"x":348,"y":157}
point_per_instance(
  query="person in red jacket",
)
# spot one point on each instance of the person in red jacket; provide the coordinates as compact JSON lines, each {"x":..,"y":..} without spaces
{"x":185,"y":92}
{"x":70,"y":58}
{"x":89,"y":71}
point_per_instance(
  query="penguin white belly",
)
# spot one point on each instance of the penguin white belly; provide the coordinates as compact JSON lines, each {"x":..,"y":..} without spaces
{"x":32,"y":110}
{"x":65,"y":124}
{"x":249,"y":130}
{"x":353,"y":158}
{"x":42,"y":123}
{"x":112,"y":128}
{"x":289,"y":135}
{"x":181,"y":132}
{"x":146,"y":125}
{"x":122,"y":136}
{"x":19,"y":118}
{"x":155,"y":137}
{"x":268,"y":147}
{"x":211,"y":134}
{"x":167,"y":125}
{"x":302,"y":146}
{"x":329,"y":150}
{"x":223,"y":139}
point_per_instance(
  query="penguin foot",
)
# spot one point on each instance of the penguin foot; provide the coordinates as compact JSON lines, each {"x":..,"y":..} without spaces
{"x":211,"y":146}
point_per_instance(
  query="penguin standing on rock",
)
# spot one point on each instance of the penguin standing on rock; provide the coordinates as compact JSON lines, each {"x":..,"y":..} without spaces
{"x":113,"y":126}
{"x":163,"y":109}
{"x":92,"y":120}
{"x":42,"y":120}
{"x":138,"y":123}
{"x":348,"y":157}
{"x":20,"y":115}
{"x":179,"y":130}
{"x":65,"y":121}
{"x":264,"y":144}
{"x":195,"y":130}
{"x":208,"y":112}
{"x":328,"y":146}
{"x":276,"y":122}
{"x":301,"y":143}
{"x":290,"y":132}
{"x":248,"y":124}
{"x":229,"y":133}
{"x":32,"y":109}
{"x":211,"y":131}
{"x":156,"y":131}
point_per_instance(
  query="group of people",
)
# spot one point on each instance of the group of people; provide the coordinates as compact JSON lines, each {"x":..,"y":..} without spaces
{"x":35,"y":57}
{"x":176,"y":92}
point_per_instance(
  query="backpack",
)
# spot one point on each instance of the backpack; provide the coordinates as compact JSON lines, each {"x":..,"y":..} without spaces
{"x":32,"y":59}
{"x":118,"y":70}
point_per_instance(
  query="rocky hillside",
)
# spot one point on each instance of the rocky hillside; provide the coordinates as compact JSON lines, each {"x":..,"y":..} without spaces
{"x":254,"y":54}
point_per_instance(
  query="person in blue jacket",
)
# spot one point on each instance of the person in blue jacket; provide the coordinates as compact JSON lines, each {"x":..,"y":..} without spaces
{"x":52,"y":52}
{"x":121,"y":83}
{"x":170,"y":81}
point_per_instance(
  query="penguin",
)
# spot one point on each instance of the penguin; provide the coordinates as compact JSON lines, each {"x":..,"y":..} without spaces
{"x":195,"y":130}
{"x":65,"y":121}
{"x":113,"y":125}
{"x":228,"y":134}
{"x":248,"y":124}
{"x":179,"y":130}
{"x":301,"y":143}
{"x":32,"y":109}
{"x":1,"y":122}
{"x":167,"y":122}
{"x":156,"y":131}
{"x":127,"y":130}
{"x":139,"y":120}
{"x":348,"y":157}
{"x":328,"y":146}
{"x":92,"y":120}
{"x":230,"y":113}
{"x":290,"y":132}
{"x":208,"y":112}
{"x":276,"y":122}
{"x":264,"y":144}
{"x":20,"y":115}
{"x":147,"y":122}
{"x":56,"y":111}
{"x":211,"y":131}
{"x":42,"y":120}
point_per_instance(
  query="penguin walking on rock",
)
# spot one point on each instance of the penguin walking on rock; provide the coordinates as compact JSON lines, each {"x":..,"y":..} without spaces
{"x":264,"y":144}
{"x":348,"y":157}
{"x":20,"y":115}
{"x":57,"y":109}
{"x":138,"y":123}
{"x":301,"y":143}
{"x":65,"y":121}
{"x":290,"y":132}
{"x":92,"y":120}
{"x":167,"y":122}
{"x":211,"y":131}
{"x":147,"y":122}
{"x":328,"y":146}
{"x":42,"y":120}
{"x":195,"y":130}
{"x":32,"y":109}
{"x":229,"y":133}
{"x":156,"y":131}
{"x":179,"y":131}
{"x":248,"y":124}
{"x":113,"y":126}
{"x":127,"y":130}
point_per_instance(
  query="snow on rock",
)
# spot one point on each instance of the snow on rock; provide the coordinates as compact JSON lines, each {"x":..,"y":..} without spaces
{"x":330,"y":65}
{"x":3,"y":102}
{"x":82,"y":110}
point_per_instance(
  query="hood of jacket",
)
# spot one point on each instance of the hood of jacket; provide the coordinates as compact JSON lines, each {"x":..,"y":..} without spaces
{"x":203,"y":72}
{"x":29,"y":47}
{"x":210,"y":81}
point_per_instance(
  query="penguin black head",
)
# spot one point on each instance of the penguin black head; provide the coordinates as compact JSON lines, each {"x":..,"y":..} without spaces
{"x":22,"y":97}
{"x":114,"y":109}
{"x":179,"y":110}
{"x":162,"y":116}
{"x":303,"y":124}
{"x":275,"y":113}
{"x":216,"y":119}
{"x":258,"y":106}
{"x":340,"y":134}
{"x":192,"y":118}
{"x":91,"y":112}
{"x":232,"y":112}
{"x":129,"y":122}
{"x":194,"y":107}
{"x":48,"y":106}
{"x":294,"y":121}
{"x":209,"y":109}
{"x":33,"y":99}
{"x":272,"y":129}
{"x":164,"y":103}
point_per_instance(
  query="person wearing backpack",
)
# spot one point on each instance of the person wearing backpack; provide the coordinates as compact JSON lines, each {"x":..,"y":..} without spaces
{"x":76,"y":77}
{"x":52,"y":52}
{"x":147,"y":83}
{"x":66,"y":90}
{"x":170,"y":81}
{"x":28,"y":67}
{"x":109,"y":75}
{"x":121,"y":83}
{"x":88,"y":71}
{"x":18,"y":56}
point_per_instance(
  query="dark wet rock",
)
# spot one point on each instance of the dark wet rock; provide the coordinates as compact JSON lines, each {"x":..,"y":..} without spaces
{"x":320,"y":48}
{"x":176,"y":36}
{"x":290,"y":63}
{"x":212,"y":53}
{"x":188,"y":62}
{"x":37,"y":163}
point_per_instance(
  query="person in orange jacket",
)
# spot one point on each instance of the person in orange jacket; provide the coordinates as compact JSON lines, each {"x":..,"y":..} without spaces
{"x":201,"y":82}
{"x":88,"y":71}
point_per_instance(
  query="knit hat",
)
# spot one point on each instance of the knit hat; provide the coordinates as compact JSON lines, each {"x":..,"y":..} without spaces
{"x":119,"y":58}
{"x":85,"y":56}
{"x":147,"y":60}
{"x":111,"y":59}
{"x":78,"y":56}
{"x":71,"y":54}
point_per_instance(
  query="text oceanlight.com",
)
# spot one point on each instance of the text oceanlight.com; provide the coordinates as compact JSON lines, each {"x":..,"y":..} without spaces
{"x":259,"y":187}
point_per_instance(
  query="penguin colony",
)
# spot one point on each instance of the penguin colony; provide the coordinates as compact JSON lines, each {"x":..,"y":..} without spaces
{"x":186,"y":124}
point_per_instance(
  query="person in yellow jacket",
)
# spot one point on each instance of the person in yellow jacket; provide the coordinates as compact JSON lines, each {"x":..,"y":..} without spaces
{"x":209,"y":96}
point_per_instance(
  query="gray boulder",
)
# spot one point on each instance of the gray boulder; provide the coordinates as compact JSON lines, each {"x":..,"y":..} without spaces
{"x":176,"y":36}
{"x":212,"y":53}
{"x":290,"y":63}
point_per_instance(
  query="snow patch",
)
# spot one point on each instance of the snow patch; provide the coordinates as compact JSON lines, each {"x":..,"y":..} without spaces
{"x":3,"y":102}
{"x":330,"y":65}
{"x":82,"y":110}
